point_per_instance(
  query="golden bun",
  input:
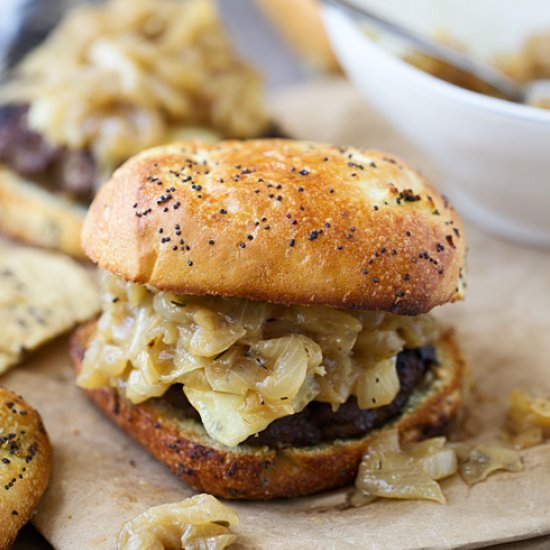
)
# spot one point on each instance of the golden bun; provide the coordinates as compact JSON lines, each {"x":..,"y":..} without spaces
{"x":261,"y":473}
{"x":25,"y":466}
{"x":278,"y":220}
{"x":39,"y":217}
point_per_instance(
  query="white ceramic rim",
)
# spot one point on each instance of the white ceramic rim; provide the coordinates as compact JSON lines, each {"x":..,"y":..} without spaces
{"x":475,"y":99}
{"x":485,"y":218}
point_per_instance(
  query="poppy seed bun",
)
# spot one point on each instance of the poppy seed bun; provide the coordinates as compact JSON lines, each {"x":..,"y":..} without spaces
{"x":261,"y":473}
{"x":282,"y":221}
{"x":25,"y":466}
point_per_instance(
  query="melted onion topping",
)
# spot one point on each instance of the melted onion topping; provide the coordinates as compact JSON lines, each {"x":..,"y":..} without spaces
{"x":244,"y":364}
{"x":197,"y":523}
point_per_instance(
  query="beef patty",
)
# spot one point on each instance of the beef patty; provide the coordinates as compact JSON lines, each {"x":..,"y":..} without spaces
{"x":317,"y":422}
{"x":25,"y":151}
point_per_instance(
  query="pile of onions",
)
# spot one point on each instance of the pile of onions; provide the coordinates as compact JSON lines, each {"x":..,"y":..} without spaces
{"x":412,"y":472}
{"x":387,"y":470}
{"x":244,"y":364}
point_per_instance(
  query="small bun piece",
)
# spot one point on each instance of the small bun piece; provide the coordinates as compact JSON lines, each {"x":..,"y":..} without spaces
{"x":281,"y":221}
{"x":25,"y":464}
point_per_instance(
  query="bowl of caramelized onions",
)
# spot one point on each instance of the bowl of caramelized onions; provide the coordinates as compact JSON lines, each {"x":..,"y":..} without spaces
{"x":492,"y":153}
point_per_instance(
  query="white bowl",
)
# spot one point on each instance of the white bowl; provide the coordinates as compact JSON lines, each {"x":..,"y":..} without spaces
{"x":494,"y":155}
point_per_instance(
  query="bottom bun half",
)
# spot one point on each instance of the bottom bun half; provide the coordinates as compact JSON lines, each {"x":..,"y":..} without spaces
{"x":262,"y":473}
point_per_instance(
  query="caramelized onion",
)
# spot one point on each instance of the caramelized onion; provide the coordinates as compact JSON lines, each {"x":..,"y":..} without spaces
{"x":242,"y":414}
{"x":480,"y":461}
{"x":528,"y":419}
{"x":372,"y":346}
{"x":234,"y":372}
{"x":243,"y":364}
{"x":334,"y":328}
{"x":436,"y":458}
{"x":387,"y":471}
{"x":197,"y":523}
{"x":377,"y":385}
{"x":419,"y":329}
{"x":288,"y":360}
{"x":336,"y":385}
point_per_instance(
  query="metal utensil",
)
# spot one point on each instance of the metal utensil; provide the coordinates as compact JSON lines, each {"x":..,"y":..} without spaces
{"x":490,"y":76}
{"x":256,"y":40}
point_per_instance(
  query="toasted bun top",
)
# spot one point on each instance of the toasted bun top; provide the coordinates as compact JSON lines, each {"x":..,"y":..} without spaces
{"x":281,"y":221}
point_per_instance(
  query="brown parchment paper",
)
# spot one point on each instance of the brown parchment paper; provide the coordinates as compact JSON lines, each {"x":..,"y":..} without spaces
{"x":101,"y":478}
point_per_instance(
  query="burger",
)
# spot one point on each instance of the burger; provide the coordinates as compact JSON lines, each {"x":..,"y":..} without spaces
{"x":265,"y":310}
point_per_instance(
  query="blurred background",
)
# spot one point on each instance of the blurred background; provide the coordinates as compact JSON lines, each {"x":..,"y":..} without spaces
{"x":25,"y":23}
{"x":482,"y":145}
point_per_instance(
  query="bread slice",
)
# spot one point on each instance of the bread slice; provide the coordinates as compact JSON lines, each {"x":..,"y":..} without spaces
{"x":261,"y":473}
{"x":39,"y":217}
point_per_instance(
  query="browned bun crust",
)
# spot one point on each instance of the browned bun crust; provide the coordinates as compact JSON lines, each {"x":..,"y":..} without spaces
{"x":39,"y":217}
{"x":260,"y":473}
{"x":26,"y":463}
{"x":281,"y":221}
